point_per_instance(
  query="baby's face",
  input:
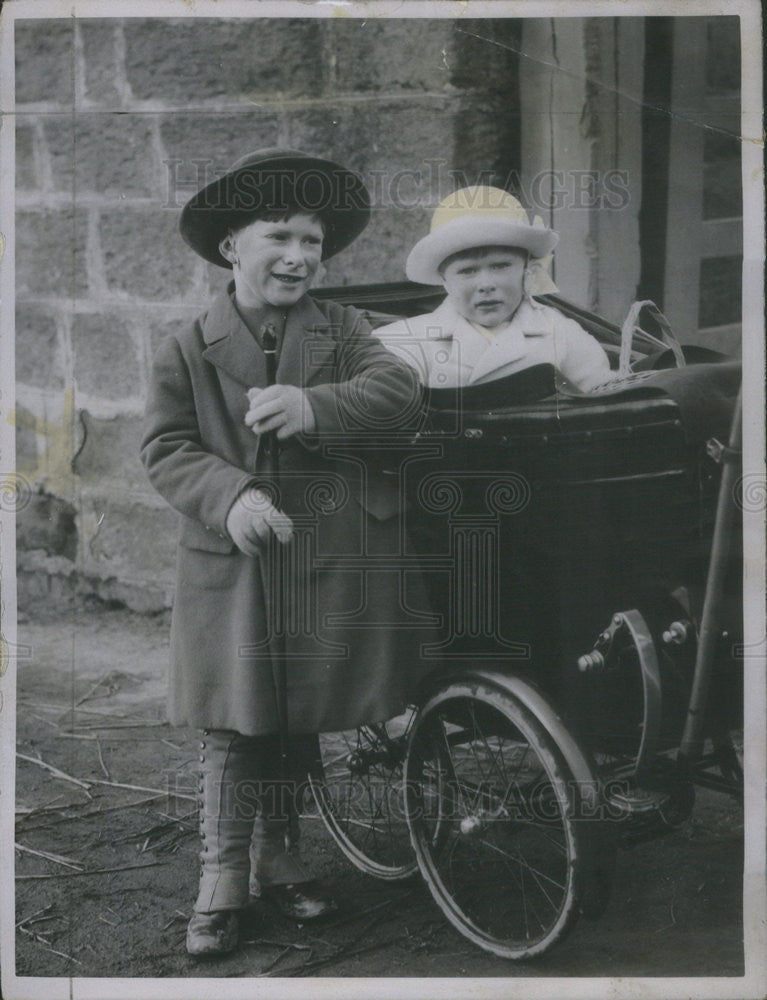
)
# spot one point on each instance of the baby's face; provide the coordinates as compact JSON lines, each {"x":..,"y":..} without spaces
{"x":486,"y":285}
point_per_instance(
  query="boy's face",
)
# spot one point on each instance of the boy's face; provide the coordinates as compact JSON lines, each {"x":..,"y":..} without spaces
{"x":486,"y":285}
{"x":277,"y":260}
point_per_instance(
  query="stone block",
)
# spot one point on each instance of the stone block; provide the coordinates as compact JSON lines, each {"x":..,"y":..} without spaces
{"x":487,"y":129}
{"x":47,"y":523}
{"x":43,"y":588}
{"x":110,"y":455}
{"x":185,"y":61}
{"x":26,"y":167}
{"x":51,"y":252}
{"x":101,"y":60}
{"x":485,"y":68}
{"x":342,"y":132}
{"x":50,"y":585}
{"x":485,"y":53}
{"x":39,"y":360}
{"x":45,"y":60}
{"x":379,"y":253}
{"x":218,"y":278}
{"x":158,"y":330}
{"x":145,"y":598}
{"x":128,"y":539}
{"x":401,"y":148}
{"x":144,"y":256}
{"x":26,"y":442}
{"x":106,"y":361}
{"x":48,"y":422}
{"x":28,"y":459}
{"x":389,"y":54}
{"x":110,"y":154}
{"x":200,"y":147}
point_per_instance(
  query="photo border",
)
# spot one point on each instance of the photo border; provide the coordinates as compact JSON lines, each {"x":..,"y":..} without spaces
{"x":754,"y":982}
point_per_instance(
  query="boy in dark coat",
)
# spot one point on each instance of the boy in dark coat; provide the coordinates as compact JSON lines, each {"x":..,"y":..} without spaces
{"x":279,"y":516}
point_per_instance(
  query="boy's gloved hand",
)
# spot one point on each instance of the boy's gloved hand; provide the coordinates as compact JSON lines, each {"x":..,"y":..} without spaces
{"x":252,"y":518}
{"x":282,"y":408}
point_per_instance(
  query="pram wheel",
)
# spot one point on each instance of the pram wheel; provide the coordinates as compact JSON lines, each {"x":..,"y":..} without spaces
{"x":492,"y":810}
{"x":361,"y":796}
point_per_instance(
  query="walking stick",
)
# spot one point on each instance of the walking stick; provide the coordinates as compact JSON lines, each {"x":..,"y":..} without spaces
{"x":279,"y":665}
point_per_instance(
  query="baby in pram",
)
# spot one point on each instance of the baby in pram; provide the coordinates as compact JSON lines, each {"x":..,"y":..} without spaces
{"x":491,"y":261}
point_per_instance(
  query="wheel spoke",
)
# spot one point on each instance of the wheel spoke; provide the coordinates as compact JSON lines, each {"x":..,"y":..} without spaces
{"x":495,"y":840}
{"x":495,"y":757}
{"x":538,"y":876}
{"x":360,"y":797}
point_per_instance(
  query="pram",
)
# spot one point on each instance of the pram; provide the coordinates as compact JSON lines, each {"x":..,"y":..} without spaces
{"x":585,"y":561}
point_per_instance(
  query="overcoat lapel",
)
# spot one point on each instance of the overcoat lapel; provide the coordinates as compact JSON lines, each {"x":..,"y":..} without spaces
{"x":507,"y":347}
{"x":308,"y":351}
{"x":447,"y":329}
{"x":307,"y":355}
{"x":241,"y":364}
{"x":231,"y":346}
{"x":469,"y":345}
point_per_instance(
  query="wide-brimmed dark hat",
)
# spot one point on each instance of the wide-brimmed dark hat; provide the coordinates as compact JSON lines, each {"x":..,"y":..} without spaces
{"x":277,"y":180}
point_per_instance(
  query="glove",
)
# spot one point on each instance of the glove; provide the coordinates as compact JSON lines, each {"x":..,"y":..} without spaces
{"x":252,"y":518}
{"x":282,"y":408}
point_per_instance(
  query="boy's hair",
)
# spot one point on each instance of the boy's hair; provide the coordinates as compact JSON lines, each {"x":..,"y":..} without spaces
{"x":239,"y":220}
{"x":483,"y":251}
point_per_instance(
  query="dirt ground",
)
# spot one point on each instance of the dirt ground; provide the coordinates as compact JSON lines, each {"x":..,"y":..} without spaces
{"x":116,"y":892}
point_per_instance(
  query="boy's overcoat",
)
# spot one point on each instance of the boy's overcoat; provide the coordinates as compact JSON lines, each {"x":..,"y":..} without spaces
{"x":353,"y":615}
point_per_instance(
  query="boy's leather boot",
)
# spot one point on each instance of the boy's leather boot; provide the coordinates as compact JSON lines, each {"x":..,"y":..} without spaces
{"x":276,"y":872}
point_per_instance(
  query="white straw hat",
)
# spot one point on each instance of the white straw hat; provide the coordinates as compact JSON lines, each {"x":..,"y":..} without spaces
{"x":476,"y":217}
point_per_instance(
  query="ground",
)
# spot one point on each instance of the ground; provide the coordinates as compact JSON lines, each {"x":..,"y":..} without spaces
{"x":115,"y":893}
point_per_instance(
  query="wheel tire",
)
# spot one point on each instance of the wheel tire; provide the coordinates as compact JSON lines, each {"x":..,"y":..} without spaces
{"x":492,"y":810}
{"x":361,"y":800}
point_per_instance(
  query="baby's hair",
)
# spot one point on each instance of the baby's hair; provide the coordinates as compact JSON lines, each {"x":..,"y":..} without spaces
{"x":480,"y":252}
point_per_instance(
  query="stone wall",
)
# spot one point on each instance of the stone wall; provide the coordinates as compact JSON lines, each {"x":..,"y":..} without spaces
{"x":117,"y":122}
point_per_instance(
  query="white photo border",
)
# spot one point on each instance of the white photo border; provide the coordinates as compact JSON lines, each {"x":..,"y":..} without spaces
{"x":754,"y":983}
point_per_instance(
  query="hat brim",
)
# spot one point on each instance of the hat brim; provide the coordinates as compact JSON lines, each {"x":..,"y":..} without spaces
{"x":469,"y":233}
{"x":293,"y":183}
